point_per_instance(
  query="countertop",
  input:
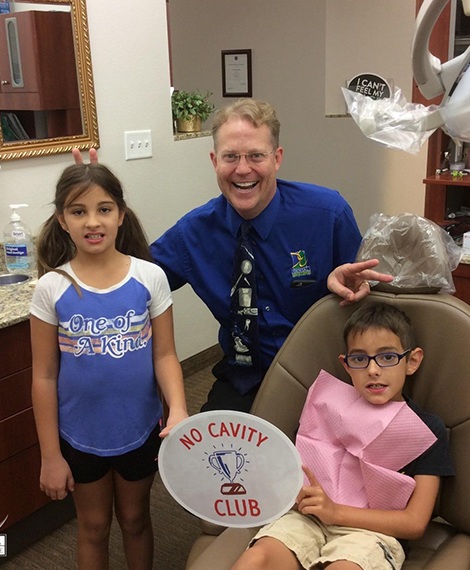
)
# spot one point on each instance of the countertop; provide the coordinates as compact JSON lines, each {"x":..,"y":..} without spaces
{"x":15,"y":299}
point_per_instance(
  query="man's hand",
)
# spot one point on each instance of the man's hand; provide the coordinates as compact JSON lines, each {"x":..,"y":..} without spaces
{"x":312,"y":500}
{"x":351,"y":280}
{"x":78,"y":158}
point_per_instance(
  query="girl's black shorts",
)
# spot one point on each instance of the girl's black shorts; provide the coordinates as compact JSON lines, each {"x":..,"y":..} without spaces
{"x":134,"y":465}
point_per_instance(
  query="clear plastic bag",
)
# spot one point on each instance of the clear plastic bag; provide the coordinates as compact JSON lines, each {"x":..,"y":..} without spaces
{"x":391,"y":121}
{"x":416,"y":251}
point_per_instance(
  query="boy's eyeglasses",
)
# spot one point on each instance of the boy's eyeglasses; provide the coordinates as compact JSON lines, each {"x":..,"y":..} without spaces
{"x":384,"y":359}
{"x":250,"y":157}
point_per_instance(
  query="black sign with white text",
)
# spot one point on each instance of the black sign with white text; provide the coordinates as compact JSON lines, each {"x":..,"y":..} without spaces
{"x":370,"y":85}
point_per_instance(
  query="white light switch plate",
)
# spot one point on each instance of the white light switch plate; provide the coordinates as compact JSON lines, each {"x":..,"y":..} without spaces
{"x":138,"y":144}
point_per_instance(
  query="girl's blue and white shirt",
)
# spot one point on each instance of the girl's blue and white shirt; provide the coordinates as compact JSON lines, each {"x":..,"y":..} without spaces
{"x":107,"y":391}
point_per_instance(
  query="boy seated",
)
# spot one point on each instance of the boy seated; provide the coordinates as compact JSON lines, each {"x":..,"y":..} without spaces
{"x":321,"y":533}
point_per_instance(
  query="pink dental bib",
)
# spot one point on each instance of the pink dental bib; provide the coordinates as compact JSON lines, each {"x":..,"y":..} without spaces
{"x":356,"y":448}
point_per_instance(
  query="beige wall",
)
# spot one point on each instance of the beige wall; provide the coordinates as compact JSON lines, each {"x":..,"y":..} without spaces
{"x":130,"y":64}
{"x":288,"y":39}
{"x":361,"y":37}
{"x":291,"y":42}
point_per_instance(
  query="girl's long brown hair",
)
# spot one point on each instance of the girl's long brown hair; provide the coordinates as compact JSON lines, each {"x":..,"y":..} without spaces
{"x":54,"y":245}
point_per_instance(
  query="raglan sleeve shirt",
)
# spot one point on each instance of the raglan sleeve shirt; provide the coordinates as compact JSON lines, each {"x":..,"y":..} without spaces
{"x":107,"y":391}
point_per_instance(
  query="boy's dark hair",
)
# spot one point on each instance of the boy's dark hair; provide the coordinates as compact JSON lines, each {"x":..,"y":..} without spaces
{"x":54,"y":245}
{"x":381,"y":316}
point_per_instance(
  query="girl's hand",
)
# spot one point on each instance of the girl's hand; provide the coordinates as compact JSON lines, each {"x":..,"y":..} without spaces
{"x":175,"y":417}
{"x":312,"y":500}
{"x":56,"y":478}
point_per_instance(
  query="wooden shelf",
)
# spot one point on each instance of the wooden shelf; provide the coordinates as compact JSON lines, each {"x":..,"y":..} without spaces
{"x":447,"y":179}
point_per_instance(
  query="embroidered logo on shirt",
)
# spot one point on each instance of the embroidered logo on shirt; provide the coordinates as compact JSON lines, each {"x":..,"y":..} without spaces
{"x":300,"y":267}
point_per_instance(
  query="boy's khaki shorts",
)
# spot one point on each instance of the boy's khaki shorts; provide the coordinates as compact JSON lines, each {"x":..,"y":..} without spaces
{"x":313,"y":543}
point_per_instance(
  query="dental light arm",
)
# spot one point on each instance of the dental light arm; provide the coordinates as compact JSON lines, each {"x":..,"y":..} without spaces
{"x":393,"y":121}
{"x":434,"y":78}
{"x":426,"y":67}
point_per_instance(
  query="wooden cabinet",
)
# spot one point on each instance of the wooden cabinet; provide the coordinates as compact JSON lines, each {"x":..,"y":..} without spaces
{"x":31,"y":515}
{"x":38,"y":71}
{"x":444,"y":197}
{"x":19,"y":449}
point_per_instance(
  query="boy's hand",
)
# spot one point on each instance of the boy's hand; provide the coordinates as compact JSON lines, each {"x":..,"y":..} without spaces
{"x":78,"y":158}
{"x":312,"y":500}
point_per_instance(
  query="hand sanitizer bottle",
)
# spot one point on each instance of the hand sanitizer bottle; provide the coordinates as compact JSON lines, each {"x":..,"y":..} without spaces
{"x":18,"y":243}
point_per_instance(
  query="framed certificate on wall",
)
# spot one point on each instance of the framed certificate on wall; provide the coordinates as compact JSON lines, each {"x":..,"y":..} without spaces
{"x":236,"y":73}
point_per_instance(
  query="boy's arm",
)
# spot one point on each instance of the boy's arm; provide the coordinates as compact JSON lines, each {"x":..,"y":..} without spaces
{"x":409,"y":523}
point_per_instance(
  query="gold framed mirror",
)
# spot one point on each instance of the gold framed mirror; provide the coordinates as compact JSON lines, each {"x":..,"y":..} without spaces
{"x":47,"y":99}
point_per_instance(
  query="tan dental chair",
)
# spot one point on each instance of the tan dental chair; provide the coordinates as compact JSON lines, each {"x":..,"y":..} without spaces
{"x":441,"y":385}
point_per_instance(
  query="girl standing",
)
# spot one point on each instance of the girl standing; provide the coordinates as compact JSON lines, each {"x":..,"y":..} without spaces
{"x":102,"y":333}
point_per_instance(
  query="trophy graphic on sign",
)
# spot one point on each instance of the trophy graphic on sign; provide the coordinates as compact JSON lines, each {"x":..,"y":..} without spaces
{"x":228,"y":463}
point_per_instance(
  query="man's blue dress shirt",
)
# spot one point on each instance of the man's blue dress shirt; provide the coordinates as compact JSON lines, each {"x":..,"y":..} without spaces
{"x":303,"y":234}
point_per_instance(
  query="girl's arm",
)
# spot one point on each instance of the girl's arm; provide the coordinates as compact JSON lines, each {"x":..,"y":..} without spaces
{"x":409,"y":523}
{"x":168,"y":369}
{"x":56,"y":478}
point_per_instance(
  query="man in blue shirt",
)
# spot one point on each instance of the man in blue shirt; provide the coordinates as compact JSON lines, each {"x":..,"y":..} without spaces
{"x":300,"y":234}
{"x":304,"y":237}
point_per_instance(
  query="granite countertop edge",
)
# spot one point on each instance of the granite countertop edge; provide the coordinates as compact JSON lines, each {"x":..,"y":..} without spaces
{"x":15,"y":301}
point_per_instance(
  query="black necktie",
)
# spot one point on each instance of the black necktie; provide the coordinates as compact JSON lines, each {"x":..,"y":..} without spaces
{"x":244,"y":315}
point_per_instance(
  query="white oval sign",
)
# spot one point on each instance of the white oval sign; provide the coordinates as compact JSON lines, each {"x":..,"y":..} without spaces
{"x":231,"y":468}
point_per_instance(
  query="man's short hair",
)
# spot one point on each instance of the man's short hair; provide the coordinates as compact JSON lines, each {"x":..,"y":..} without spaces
{"x":256,"y":112}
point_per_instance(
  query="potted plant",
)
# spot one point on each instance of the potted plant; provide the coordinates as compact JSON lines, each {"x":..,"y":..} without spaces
{"x":190,"y":109}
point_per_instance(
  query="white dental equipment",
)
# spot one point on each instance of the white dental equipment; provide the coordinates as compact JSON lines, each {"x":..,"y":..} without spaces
{"x":451,"y":78}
